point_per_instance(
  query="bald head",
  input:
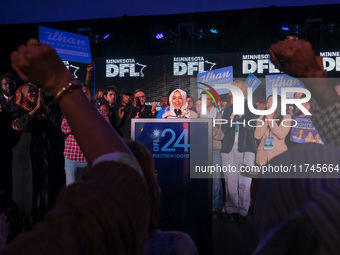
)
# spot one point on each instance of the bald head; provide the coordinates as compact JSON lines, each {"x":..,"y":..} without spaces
{"x":337,"y":89}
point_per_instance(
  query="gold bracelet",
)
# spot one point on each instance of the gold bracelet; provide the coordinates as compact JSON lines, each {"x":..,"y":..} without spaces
{"x":67,"y":89}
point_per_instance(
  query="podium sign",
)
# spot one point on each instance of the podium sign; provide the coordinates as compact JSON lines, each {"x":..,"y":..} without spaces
{"x":177,"y":146}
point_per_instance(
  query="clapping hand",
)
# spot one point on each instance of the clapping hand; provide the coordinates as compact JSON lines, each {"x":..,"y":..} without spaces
{"x":153,"y":108}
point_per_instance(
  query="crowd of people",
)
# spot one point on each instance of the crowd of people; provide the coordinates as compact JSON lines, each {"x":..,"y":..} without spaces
{"x":55,"y":135}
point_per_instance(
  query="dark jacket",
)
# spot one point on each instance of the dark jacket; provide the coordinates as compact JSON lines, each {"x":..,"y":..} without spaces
{"x":146,"y":113}
{"x":3,"y":101}
{"x":245,"y":131}
{"x":123,"y":126}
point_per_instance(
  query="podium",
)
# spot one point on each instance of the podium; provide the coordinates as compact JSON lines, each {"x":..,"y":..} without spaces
{"x":180,"y":147}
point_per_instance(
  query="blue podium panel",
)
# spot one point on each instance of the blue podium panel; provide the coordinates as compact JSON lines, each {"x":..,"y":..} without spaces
{"x":177,"y":146}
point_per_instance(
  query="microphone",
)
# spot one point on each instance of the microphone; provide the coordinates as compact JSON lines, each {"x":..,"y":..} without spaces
{"x":177,"y":112}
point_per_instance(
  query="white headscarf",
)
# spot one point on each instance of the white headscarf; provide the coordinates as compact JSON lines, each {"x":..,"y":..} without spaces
{"x":185,"y":112}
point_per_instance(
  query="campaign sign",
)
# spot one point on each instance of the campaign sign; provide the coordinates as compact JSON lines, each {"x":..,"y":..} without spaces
{"x":218,"y":76}
{"x":305,"y":131}
{"x":177,"y":145}
{"x":281,"y":81}
{"x":252,"y":81}
{"x":69,"y":46}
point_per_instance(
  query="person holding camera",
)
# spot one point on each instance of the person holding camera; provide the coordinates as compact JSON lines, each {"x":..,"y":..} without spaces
{"x":146,"y":111}
{"x":124,"y":112}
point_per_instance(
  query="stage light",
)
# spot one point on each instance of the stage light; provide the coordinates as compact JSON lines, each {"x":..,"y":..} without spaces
{"x":106,"y":36}
{"x":285,"y":28}
{"x":159,"y":36}
{"x":200,"y":34}
{"x":297,"y":29}
{"x":214,"y":30}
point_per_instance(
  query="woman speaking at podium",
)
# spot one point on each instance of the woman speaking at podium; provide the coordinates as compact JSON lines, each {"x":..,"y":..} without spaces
{"x":178,"y":106}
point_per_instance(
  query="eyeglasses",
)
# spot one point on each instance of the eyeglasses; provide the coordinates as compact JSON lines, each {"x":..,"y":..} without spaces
{"x":141,"y":97}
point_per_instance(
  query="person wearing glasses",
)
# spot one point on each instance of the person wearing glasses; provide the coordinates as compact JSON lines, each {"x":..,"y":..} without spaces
{"x":146,"y":111}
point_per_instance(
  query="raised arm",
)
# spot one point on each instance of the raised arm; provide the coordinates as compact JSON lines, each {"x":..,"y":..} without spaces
{"x":297,"y":58}
{"x":39,"y":64}
{"x":89,"y":70}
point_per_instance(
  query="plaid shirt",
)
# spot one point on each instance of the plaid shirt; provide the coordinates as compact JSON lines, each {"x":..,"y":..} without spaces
{"x":72,"y":150}
{"x":329,"y":132}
